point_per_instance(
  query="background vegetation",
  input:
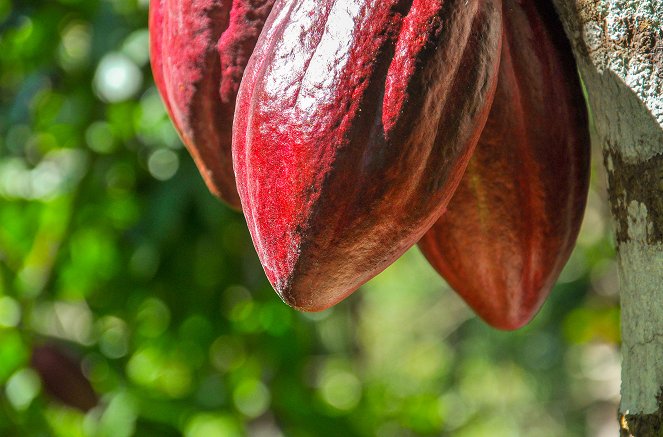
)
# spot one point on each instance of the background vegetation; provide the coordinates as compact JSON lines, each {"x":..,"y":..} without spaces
{"x":112,"y":250}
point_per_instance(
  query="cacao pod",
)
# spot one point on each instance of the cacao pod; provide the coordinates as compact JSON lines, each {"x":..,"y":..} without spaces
{"x":512,"y":223}
{"x":354,"y":123}
{"x":62,"y":377}
{"x":199,"y":49}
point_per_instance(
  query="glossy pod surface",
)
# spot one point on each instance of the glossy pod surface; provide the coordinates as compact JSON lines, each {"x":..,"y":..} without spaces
{"x":199,"y":49}
{"x":513,"y":221}
{"x":355,"y":121}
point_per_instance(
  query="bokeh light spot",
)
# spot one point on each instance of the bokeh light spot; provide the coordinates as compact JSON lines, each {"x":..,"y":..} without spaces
{"x":153,"y":318}
{"x":251,"y":397}
{"x":206,"y":425}
{"x":163,"y":164}
{"x":22,"y":388}
{"x":100,"y":138}
{"x":114,"y":341}
{"x":117,"y":78}
{"x":10,"y":312}
{"x":75,"y":45}
{"x":340,"y":389}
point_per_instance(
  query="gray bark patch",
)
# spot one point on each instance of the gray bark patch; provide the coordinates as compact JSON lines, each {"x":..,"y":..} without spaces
{"x":640,"y":182}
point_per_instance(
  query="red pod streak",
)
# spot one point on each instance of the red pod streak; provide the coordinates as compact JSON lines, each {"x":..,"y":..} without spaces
{"x":514,"y":219}
{"x":199,"y":49}
{"x":354,"y":123}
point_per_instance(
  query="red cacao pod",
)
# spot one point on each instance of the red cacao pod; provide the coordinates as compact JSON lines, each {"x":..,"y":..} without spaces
{"x":199,"y":49}
{"x":62,"y":377}
{"x":514,"y":219}
{"x":354,"y":123}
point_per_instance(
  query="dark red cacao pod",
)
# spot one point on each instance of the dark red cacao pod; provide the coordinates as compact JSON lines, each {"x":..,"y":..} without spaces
{"x":199,"y":49}
{"x":514,"y":219}
{"x":62,"y":377}
{"x":355,"y":121}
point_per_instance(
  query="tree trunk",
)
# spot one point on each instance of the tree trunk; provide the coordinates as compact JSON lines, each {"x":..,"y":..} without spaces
{"x":619,"y":48}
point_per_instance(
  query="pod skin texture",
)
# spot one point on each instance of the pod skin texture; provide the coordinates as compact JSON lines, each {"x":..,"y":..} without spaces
{"x":514,"y":219}
{"x":199,"y":49}
{"x":354,"y":123}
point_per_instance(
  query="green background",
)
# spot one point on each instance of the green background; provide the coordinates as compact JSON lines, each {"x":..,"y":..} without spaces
{"x":112,"y":248}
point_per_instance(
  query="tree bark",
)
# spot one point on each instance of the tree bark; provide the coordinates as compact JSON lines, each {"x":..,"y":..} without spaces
{"x":619,"y":48}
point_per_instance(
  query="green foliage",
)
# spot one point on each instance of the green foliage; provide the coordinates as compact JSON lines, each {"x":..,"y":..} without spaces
{"x":111,"y":246}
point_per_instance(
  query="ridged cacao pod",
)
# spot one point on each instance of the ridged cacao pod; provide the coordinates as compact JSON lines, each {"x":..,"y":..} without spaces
{"x":514,"y":219}
{"x":199,"y":49}
{"x":62,"y":377}
{"x":355,"y":121}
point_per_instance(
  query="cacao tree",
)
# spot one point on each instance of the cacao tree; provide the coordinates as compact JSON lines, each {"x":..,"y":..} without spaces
{"x":618,"y":46}
{"x":122,"y":245}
